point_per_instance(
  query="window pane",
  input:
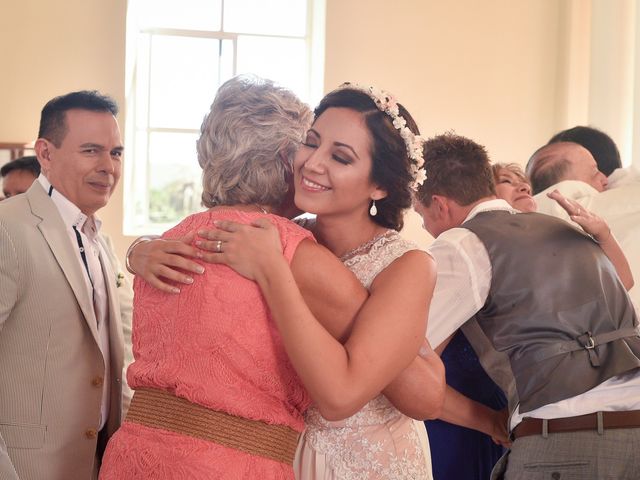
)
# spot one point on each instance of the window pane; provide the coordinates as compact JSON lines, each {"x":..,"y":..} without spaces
{"x":182,"y":14}
{"x":184,"y":80}
{"x":174,"y":177}
{"x":273,"y":17}
{"x":141,"y":98}
{"x":226,"y":61}
{"x":283,"y":60}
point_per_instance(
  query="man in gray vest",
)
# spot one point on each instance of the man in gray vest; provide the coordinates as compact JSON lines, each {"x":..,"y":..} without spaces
{"x":551,"y":319}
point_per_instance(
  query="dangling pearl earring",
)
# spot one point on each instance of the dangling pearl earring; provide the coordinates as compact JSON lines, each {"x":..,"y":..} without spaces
{"x":373,"y":211}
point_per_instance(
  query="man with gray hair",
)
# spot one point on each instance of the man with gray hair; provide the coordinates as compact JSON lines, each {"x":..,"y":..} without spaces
{"x":572,"y":170}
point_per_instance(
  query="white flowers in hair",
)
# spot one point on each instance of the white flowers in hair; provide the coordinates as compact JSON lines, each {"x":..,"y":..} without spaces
{"x":387,"y":103}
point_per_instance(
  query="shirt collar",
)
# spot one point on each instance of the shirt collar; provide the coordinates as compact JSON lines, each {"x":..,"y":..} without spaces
{"x":70,"y":213}
{"x":489,"y":205}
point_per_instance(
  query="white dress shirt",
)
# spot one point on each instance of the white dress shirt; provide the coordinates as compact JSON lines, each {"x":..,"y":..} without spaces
{"x":619,"y":205}
{"x":462,"y":287}
{"x":88,"y":228}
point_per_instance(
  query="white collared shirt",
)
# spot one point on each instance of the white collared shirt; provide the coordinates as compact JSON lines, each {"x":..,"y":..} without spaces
{"x":619,"y":205}
{"x":88,"y":228}
{"x":462,"y":287}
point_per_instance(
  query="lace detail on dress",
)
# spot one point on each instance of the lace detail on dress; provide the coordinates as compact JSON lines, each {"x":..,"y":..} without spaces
{"x":370,"y":258}
{"x":378,"y":442}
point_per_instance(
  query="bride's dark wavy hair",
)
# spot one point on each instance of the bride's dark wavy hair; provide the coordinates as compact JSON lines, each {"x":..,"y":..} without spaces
{"x":391,"y":165}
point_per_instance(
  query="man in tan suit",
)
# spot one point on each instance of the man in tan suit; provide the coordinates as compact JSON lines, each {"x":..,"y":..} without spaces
{"x":61,"y":341}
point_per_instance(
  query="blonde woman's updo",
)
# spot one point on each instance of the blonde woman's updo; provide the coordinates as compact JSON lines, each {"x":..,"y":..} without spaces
{"x":248,"y":141}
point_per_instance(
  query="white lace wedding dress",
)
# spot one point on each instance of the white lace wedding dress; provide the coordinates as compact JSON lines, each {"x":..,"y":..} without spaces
{"x":378,"y":442}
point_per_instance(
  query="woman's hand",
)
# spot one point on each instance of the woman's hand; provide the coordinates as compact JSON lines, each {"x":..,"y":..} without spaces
{"x":248,"y":249}
{"x":590,"y":222}
{"x":500,"y":430}
{"x":158,"y":260}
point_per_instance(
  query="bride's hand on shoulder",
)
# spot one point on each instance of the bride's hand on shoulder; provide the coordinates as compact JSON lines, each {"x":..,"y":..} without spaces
{"x":248,"y":249}
{"x":158,"y":261}
{"x":591,"y":223}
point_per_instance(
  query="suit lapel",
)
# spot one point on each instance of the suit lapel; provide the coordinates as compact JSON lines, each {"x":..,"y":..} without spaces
{"x":55,"y":234}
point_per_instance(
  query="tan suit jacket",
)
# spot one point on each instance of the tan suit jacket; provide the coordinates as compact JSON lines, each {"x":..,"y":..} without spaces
{"x":51,"y":368}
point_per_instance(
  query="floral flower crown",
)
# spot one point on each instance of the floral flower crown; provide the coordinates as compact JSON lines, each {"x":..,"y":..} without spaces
{"x":387,"y":103}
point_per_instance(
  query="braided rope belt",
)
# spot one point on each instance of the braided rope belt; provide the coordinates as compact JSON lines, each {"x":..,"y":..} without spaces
{"x":160,"y":409}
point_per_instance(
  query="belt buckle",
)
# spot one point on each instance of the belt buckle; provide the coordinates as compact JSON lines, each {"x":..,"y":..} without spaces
{"x":591,"y":344}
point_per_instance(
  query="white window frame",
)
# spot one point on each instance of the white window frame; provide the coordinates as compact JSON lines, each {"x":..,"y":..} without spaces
{"x":136,"y":170}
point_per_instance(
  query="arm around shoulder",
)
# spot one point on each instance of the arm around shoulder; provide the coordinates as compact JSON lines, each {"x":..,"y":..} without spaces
{"x":331,"y":291}
{"x":419,"y":390}
{"x":389,"y":330}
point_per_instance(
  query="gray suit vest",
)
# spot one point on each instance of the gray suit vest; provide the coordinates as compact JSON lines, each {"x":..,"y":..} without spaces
{"x":556,"y":313}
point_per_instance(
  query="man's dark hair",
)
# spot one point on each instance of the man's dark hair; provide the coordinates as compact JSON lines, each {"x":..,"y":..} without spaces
{"x":53,"y":126}
{"x":29,"y":163}
{"x":602,"y":147}
{"x":457,"y":168}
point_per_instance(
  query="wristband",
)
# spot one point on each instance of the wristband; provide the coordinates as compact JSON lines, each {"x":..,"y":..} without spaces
{"x":137,"y":241}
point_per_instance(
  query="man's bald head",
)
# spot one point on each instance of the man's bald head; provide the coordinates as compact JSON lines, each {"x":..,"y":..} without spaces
{"x":563,"y":161}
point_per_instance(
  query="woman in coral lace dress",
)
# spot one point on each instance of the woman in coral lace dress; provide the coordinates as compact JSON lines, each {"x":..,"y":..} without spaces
{"x":215,"y":394}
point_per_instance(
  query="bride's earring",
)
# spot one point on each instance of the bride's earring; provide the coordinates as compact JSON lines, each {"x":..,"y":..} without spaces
{"x":373,"y":211}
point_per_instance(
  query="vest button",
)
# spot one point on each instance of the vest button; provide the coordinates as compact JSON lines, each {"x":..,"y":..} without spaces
{"x":91,"y":433}
{"x":555,"y":475}
{"x":97,"y":381}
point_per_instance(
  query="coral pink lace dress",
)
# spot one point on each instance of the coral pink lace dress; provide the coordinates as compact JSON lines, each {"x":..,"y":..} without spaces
{"x":378,"y":442}
{"x":215,"y":345}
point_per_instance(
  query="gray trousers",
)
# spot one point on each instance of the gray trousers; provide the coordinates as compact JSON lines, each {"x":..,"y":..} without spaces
{"x":584,"y":455}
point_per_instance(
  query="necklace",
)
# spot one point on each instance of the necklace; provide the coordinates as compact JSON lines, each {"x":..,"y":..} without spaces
{"x":366,"y":245}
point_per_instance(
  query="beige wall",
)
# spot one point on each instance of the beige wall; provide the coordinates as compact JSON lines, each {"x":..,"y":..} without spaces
{"x":488,"y":69}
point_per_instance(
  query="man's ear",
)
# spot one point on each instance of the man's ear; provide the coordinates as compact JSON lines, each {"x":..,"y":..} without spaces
{"x":442,"y":206}
{"x":42,"y":148}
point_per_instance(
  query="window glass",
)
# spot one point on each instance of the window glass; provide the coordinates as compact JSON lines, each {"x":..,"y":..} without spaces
{"x":272,"y":17}
{"x":283,"y":60}
{"x":184,"y":74}
{"x":174,"y":187}
{"x":182,"y":14}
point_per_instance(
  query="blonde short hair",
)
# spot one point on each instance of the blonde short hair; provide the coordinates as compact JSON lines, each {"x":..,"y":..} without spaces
{"x":248,"y":141}
{"x":514,"y":168}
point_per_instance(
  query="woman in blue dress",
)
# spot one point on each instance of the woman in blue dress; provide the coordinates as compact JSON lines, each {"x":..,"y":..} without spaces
{"x":460,"y":453}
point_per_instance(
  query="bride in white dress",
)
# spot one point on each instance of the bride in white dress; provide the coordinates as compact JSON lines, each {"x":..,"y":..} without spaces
{"x":355,"y":171}
{"x":379,"y":441}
